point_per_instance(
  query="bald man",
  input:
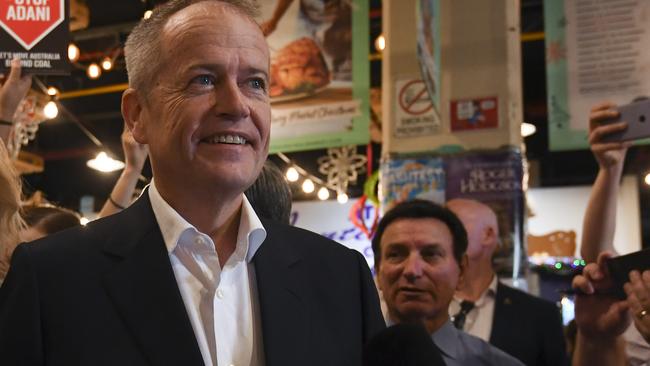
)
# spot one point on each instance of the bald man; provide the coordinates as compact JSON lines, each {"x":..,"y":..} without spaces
{"x":522,"y":325}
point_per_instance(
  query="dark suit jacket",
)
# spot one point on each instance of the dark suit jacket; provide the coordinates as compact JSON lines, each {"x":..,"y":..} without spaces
{"x":106,"y":295}
{"x":528,"y":328}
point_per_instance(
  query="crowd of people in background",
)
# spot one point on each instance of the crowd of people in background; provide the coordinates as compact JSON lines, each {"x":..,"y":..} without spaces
{"x":204,"y":267}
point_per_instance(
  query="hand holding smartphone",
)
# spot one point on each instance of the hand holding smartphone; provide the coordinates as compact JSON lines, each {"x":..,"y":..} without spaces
{"x":637,"y":117}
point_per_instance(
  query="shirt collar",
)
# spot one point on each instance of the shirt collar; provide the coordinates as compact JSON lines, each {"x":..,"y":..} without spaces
{"x":446,"y":338}
{"x":172,"y":225}
{"x":489,"y":292}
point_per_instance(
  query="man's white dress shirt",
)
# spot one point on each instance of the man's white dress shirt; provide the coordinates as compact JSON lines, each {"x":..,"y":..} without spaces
{"x":478,"y":321}
{"x":221,"y":303}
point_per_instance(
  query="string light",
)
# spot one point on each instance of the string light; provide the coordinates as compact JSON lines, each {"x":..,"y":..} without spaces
{"x":107,"y":63}
{"x":84,"y":221}
{"x":323,"y":193}
{"x":52,"y":91}
{"x":527,"y":129}
{"x":73,"y":52}
{"x":147,"y":14}
{"x":308,"y":186}
{"x":94,"y":71}
{"x":342,"y":197}
{"x":647,"y":179}
{"x":51,"y":110}
{"x":292,"y":174}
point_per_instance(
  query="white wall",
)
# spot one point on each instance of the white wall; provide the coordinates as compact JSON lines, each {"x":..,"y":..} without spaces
{"x":564,"y":209}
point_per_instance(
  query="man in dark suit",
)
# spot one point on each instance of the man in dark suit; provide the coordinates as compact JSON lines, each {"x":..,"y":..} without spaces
{"x":522,"y":325}
{"x":189,"y":275}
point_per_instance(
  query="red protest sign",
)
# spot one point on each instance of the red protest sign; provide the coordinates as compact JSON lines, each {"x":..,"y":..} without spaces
{"x":29,"y":21}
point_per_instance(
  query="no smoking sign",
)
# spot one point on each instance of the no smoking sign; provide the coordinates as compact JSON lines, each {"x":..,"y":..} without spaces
{"x":414,"y":112}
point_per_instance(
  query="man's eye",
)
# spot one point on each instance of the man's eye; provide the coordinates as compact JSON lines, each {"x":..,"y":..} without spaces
{"x":258,"y":83}
{"x":205,"y":80}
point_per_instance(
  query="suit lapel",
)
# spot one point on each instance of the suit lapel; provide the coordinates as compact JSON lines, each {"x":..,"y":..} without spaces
{"x":500,"y":326}
{"x":143,"y":288}
{"x":285,"y":318}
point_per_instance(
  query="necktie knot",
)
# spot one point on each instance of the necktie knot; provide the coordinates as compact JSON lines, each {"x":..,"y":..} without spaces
{"x":461,"y":316}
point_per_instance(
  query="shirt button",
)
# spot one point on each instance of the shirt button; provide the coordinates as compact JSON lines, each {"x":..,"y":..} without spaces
{"x":220,"y":294}
{"x":199,"y":240}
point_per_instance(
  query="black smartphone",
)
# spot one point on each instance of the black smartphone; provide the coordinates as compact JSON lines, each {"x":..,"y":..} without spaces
{"x":637,"y":116}
{"x":621,"y":266}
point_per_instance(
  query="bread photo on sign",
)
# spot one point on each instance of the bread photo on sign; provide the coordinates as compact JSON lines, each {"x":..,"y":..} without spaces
{"x":298,"y":69}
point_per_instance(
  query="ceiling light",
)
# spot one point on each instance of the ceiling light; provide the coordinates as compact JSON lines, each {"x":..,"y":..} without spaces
{"x":323,"y":193}
{"x":147,"y":14}
{"x":73,"y":52}
{"x":527,"y":129}
{"x":51,"y":110}
{"x":94,"y":71}
{"x":52,"y":91}
{"x":105,"y":163}
{"x":308,"y":186}
{"x":380,"y":43}
{"x":107,"y":63}
{"x":342,"y":197}
{"x":292,"y":174}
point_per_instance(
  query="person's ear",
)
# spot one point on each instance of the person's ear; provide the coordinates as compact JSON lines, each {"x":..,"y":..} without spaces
{"x":462,"y":265}
{"x":132,"y":112}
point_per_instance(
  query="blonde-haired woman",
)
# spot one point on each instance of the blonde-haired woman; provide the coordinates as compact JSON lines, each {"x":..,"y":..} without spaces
{"x":12,"y":92}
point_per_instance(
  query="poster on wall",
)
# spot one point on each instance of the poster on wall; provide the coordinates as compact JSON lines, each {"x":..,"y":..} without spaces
{"x":36,"y":32}
{"x":595,"y":51}
{"x":474,"y":114}
{"x":494,"y":178}
{"x":403,"y":179}
{"x":319,"y":85}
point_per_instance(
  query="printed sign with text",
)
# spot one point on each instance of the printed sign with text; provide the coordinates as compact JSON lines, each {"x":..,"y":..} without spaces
{"x":36,"y":32}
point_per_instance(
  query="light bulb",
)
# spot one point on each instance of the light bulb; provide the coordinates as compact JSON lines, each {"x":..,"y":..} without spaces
{"x":308,"y":186}
{"x":94,"y":71}
{"x":323,"y":193}
{"x":147,"y":14}
{"x":73,"y":52}
{"x":84,"y":221}
{"x":380,"y":43}
{"x":107,"y":63}
{"x":647,"y":179}
{"x":52,"y":91}
{"x":105,"y":163}
{"x":292,"y":174}
{"x":342,"y":197}
{"x":51,"y":110}
{"x":527,"y":129}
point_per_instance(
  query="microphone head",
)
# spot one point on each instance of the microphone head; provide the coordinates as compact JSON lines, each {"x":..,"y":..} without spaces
{"x":402,"y":345}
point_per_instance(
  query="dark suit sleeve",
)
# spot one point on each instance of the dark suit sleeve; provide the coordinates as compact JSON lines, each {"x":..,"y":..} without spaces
{"x":20,"y":320}
{"x":554,"y":343}
{"x":373,"y":321}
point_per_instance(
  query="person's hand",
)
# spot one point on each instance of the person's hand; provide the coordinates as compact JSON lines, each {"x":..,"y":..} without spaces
{"x":268,"y":27}
{"x":608,"y":154}
{"x":135,"y":153}
{"x":638,"y":297}
{"x":13,"y":90}
{"x":599,"y":315}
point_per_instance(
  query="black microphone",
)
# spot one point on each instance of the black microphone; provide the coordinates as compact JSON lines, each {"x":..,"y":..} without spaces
{"x":402,"y":345}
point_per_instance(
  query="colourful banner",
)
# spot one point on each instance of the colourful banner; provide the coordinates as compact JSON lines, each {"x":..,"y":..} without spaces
{"x":403,"y":179}
{"x":319,"y":73}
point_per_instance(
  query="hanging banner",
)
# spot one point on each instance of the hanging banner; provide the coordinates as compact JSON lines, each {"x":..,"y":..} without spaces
{"x":428,"y":47}
{"x":36,"y":31}
{"x":404,"y":179}
{"x":595,"y":51}
{"x":494,"y":178}
{"x":319,"y":73}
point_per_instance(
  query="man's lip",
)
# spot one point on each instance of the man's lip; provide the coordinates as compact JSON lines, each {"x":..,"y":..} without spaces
{"x":246,"y":136}
{"x":410,"y":289}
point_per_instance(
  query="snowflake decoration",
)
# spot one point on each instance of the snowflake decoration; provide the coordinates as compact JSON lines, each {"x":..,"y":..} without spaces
{"x":342,"y":166}
{"x":25,"y":125}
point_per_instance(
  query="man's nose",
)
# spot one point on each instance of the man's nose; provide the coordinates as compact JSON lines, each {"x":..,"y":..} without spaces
{"x":230,"y":102}
{"x":413,"y":266}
